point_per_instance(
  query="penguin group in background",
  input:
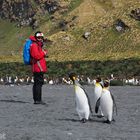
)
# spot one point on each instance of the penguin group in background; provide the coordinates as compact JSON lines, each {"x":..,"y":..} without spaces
{"x":83,"y":106}
{"x":98,"y":87}
{"x":107,"y":103}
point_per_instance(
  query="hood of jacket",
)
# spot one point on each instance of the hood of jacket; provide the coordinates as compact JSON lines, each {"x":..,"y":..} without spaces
{"x":33,"y":38}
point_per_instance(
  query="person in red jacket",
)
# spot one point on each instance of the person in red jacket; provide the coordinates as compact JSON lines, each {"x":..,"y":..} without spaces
{"x":39,"y":66}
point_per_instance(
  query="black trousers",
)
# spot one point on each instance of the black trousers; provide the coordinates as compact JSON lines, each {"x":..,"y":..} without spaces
{"x":37,"y":87}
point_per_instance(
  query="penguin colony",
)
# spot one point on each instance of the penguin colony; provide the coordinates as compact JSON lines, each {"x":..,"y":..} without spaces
{"x":104,"y":102}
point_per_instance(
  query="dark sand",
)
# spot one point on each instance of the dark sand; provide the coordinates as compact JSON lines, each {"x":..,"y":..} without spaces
{"x":20,"y":119}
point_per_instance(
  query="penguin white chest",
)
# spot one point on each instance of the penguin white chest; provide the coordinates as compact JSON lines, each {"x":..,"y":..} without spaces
{"x":106,"y":103}
{"x":97,"y":94}
{"x":82,"y":105}
{"x":97,"y":91}
{"x":81,"y":98}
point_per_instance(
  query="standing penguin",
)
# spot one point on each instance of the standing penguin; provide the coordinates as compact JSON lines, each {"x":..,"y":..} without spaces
{"x":106,"y":102}
{"x":83,"y":107}
{"x":98,"y":87}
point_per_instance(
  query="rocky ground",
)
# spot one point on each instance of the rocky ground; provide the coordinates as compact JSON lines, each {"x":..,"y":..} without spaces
{"x":20,"y":119}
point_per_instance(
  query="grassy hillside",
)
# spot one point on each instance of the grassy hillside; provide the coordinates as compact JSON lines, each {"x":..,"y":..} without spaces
{"x":97,"y":16}
{"x":105,"y":43}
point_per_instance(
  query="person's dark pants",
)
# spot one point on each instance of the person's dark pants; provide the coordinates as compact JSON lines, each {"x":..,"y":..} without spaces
{"x":37,"y":87}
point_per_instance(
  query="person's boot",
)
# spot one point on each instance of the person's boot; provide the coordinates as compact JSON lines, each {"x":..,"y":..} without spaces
{"x":39,"y":102}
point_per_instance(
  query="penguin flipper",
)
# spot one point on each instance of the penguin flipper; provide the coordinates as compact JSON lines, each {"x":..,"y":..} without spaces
{"x":89,"y":102}
{"x":88,"y":99}
{"x":97,"y":105}
{"x":114,"y":103}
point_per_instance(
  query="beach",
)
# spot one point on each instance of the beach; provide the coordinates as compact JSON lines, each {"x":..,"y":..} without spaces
{"x":20,"y":119}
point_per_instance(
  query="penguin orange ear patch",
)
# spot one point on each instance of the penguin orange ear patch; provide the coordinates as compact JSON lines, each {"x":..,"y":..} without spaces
{"x":72,"y":76}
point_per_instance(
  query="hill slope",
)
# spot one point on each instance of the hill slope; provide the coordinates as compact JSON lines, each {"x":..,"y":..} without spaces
{"x":104,"y":42}
{"x":94,"y":16}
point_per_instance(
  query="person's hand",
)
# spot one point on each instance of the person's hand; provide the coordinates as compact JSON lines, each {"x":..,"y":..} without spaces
{"x":47,"y":41}
{"x":45,"y":52}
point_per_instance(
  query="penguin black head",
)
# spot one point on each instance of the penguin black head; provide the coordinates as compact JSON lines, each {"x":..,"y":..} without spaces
{"x":98,"y":79}
{"x":72,"y":76}
{"x":106,"y":83}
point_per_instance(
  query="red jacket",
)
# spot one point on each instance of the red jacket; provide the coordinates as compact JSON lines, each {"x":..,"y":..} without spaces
{"x":38,"y":61}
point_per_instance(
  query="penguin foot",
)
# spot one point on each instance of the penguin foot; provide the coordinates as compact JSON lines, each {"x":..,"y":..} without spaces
{"x":113,"y":120}
{"x":100,"y":116}
{"x":107,"y":121}
{"x":83,"y":120}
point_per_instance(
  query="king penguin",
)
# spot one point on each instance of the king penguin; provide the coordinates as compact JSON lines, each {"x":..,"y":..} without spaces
{"x":83,"y":106}
{"x":98,"y":87}
{"x":107,"y":103}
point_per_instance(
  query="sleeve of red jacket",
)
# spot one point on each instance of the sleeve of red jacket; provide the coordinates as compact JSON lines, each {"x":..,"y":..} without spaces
{"x":36,"y":53}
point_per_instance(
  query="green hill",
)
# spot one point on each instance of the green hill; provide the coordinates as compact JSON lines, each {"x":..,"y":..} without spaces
{"x":68,"y":46}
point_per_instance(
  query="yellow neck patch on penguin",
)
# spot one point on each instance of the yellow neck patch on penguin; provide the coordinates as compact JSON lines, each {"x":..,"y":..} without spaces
{"x":97,"y":84}
{"x":107,"y":88}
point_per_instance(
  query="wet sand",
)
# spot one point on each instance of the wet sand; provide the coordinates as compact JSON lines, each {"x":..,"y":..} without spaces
{"x":20,"y":119}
